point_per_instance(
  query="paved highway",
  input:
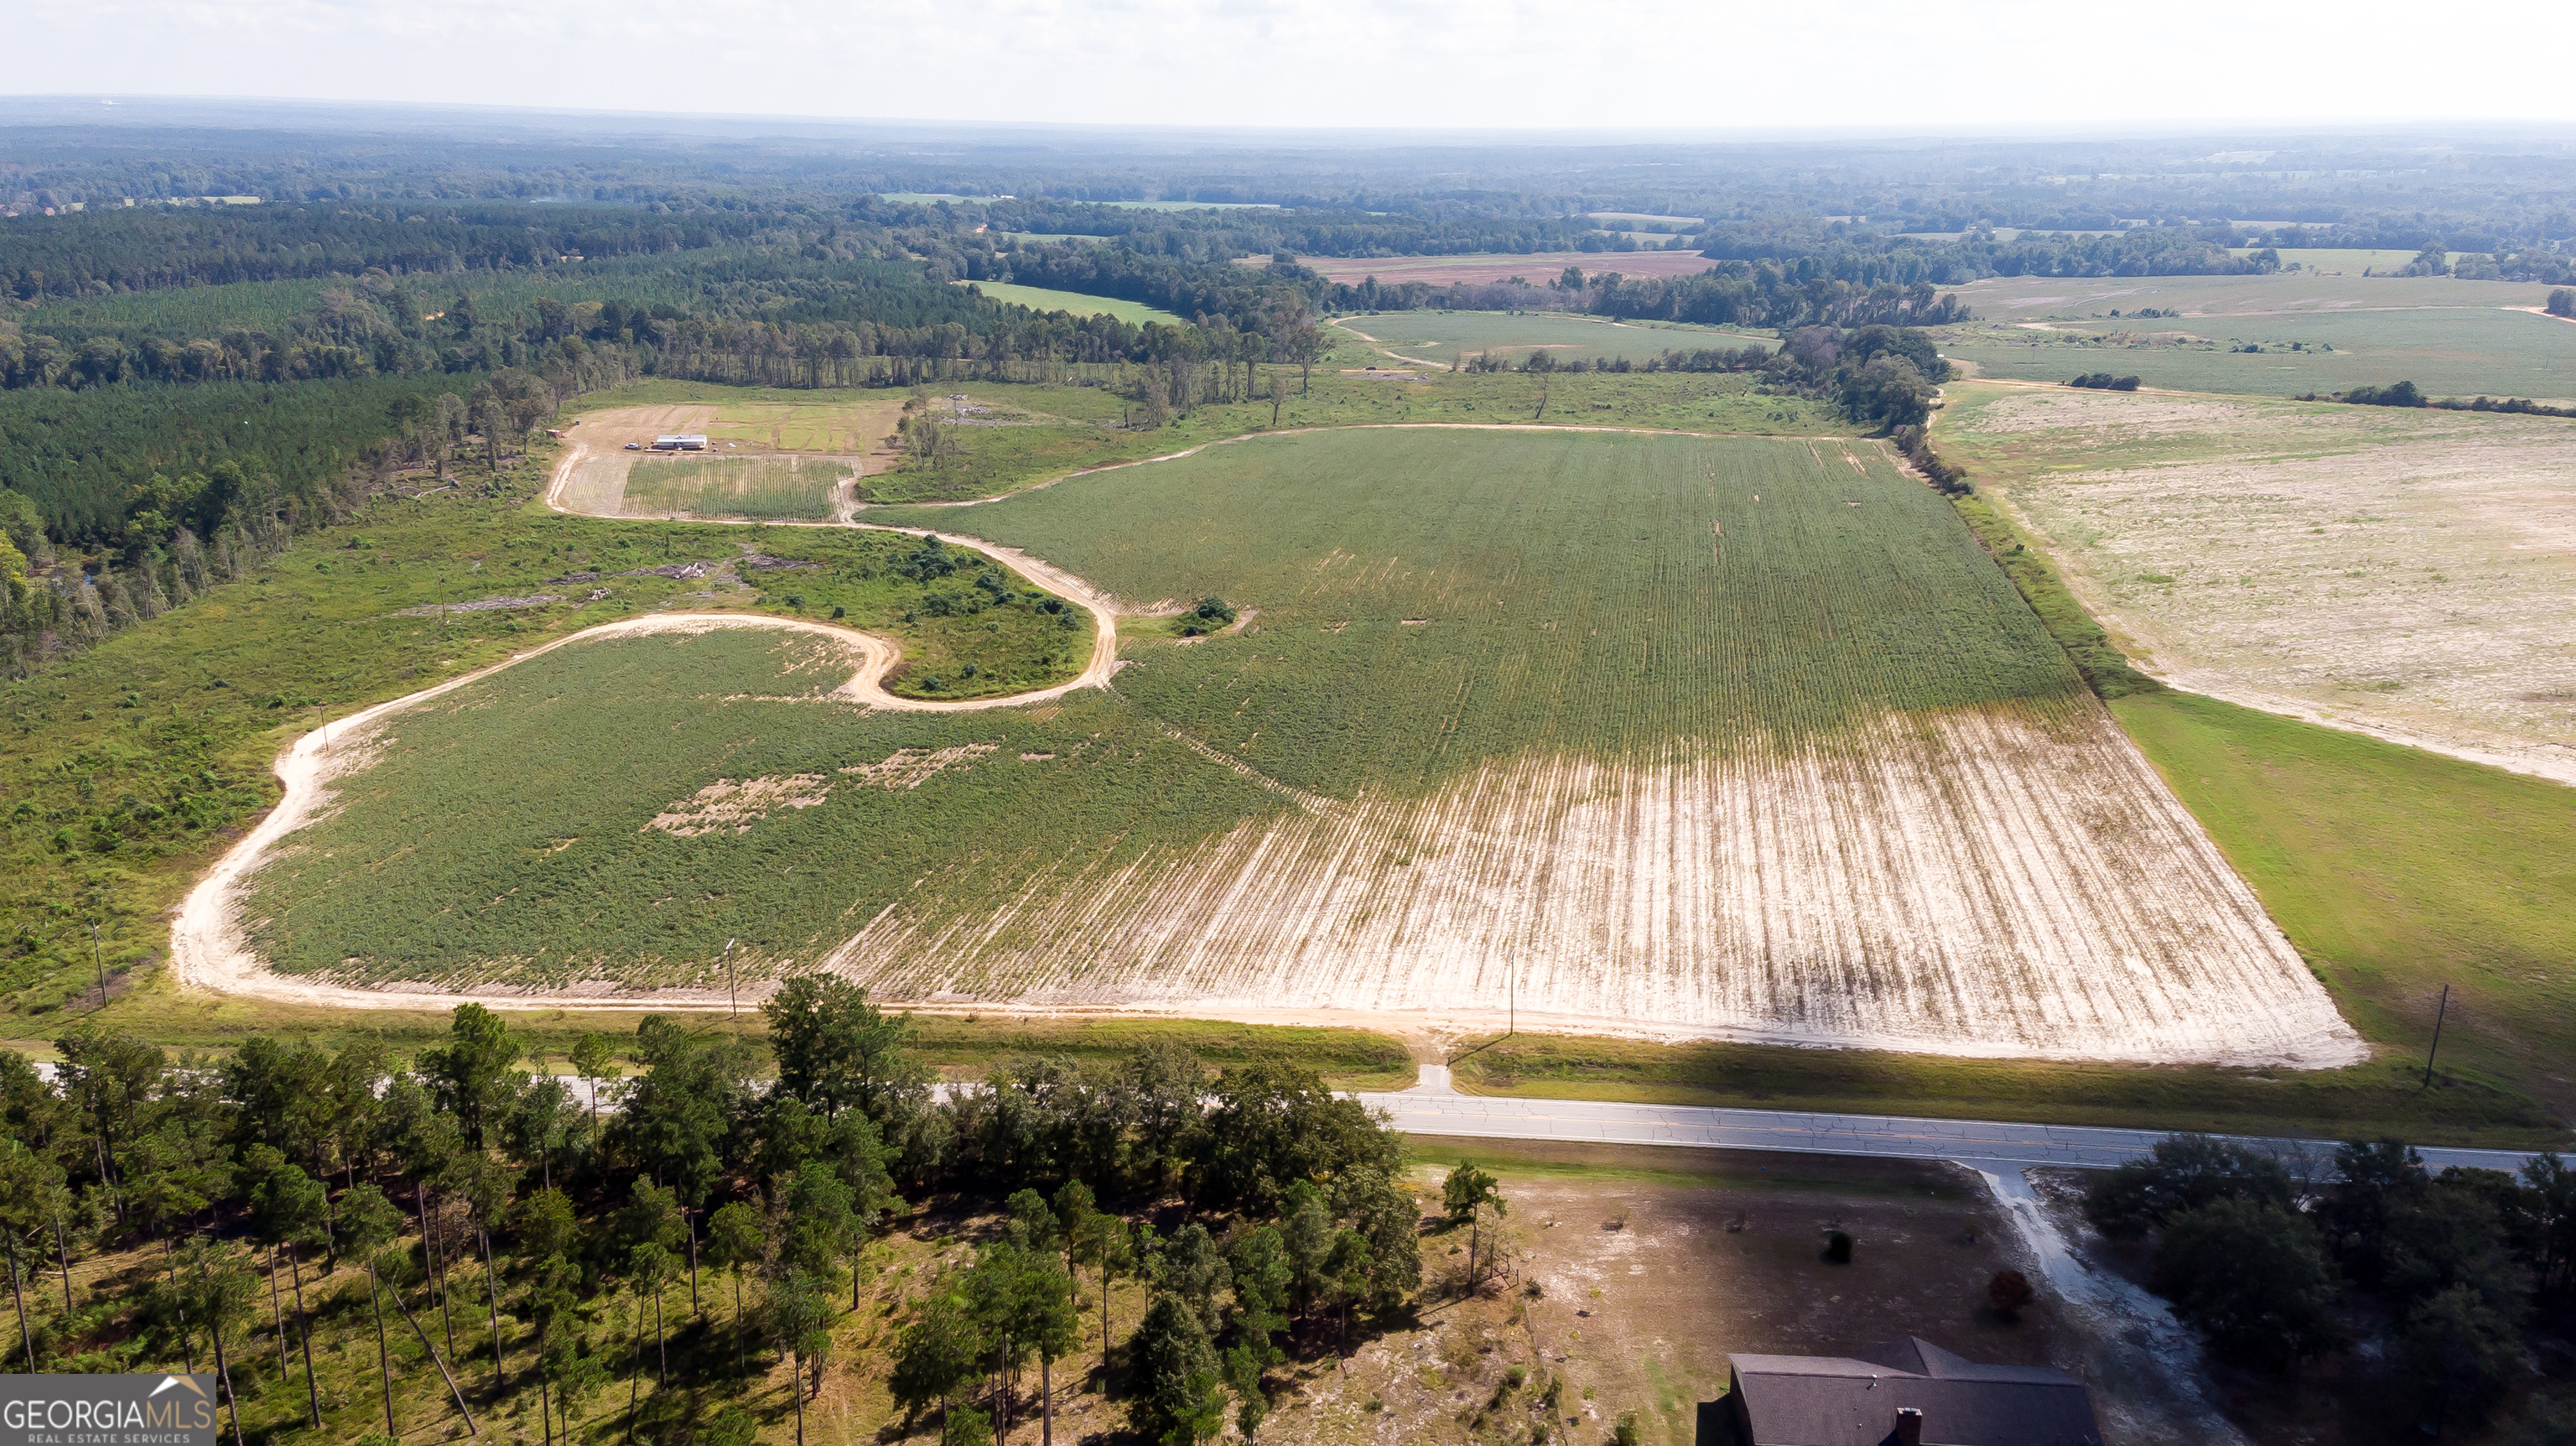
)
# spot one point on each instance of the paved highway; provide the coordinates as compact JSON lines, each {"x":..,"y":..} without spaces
{"x":1434,"y":1108}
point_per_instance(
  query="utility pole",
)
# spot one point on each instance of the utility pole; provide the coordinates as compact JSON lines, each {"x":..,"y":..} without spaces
{"x":2439,"y":1015}
{"x":100,"y":960}
{"x":730,"y":996}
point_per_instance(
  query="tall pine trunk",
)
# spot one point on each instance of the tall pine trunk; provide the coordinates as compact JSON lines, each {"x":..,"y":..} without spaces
{"x":384,"y":1353}
{"x":304,"y":1332}
{"x":277,"y":1308}
{"x":63,"y":1253}
{"x":26,"y":1336}
{"x":224,"y":1378}
{"x":741,"y":1328}
{"x":492,"y":1295}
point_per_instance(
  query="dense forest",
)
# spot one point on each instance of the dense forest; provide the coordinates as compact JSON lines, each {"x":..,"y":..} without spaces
{"x":545,"y":1251}
{"x":2434,"y":1284}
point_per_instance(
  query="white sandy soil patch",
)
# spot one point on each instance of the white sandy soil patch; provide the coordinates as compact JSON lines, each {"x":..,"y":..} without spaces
{"x":738,"y":803}
{"x":2407,"y":573}
{"x":1975,"y":883}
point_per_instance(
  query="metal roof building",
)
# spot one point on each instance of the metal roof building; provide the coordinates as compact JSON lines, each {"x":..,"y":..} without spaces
{"x":1908,"y":1392}
{"x":680,"y":442}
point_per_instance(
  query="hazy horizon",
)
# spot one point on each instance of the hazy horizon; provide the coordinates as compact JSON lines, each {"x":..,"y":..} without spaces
{"x":1513,"y":67}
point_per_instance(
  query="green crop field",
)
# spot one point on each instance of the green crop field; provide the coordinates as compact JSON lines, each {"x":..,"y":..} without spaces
{"x":2447,"y":352}
{"x":1473,"y":662}
{"x":763,"y":489}
{"x":1039,"y":298}
{"x":1056,"y":428}
{"x":1449,"y":337}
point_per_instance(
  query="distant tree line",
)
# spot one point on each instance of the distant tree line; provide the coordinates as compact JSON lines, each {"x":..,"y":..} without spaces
{"x":2407,"y":394}
{"x":2430,"y":1280}
{"x":153,"y":248}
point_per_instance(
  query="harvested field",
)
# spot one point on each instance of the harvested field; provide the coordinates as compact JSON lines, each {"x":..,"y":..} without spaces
{"x":1477,"y":270}
{"x":2447,"y":351}
{"x":1445,"y":338}
{"x":2037,"y":298}
{"x":2406,"y":572}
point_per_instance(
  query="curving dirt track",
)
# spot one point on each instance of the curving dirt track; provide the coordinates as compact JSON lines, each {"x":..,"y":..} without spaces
{"x":207,"y":950}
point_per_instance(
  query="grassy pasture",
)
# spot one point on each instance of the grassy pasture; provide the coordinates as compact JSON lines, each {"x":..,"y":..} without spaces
{"x":763,"y":489}
{"x":2448,"y":352}
{"x":2058,"y":298}
{"x":1449,"y":337}
{"x":2351,"y":261}
{"x":2397,"y":871}
{"x":1039,"y":298}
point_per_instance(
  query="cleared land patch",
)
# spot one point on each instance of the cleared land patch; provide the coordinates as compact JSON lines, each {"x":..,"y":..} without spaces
{"x":2447,"y":351}
{"x":763,"y":488}
{"x":1449,"y":337}
{"x":1476,"y":270}
{"x":1040,"y":298}
{"x":2405,"y":571}
{"x":2044,"y":298}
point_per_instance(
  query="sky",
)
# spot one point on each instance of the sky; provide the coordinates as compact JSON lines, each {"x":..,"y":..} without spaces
{"x":1413,"y":64}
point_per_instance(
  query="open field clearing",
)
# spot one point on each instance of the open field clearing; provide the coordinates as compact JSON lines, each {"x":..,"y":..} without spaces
{"x":1027,"y":434}
{"x":2447,"y":352}
{"x":1446,"y":338}
{"x":2396,"y":871}
{"x":2403,"y":571}
{"x":1039,"y":298}
{"x":1639,"y":756}
{"x":2058,"y":298}
{"x":763,"y":489}
{"x":737,"y":418}
{"x":2348,"y":261}
{"x":1537,"y":268}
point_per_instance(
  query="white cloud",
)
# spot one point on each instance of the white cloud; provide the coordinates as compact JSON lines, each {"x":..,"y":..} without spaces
{"x":1535,"y":64}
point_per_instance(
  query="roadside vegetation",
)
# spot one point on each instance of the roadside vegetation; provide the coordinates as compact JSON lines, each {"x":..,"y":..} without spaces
{"x":2360,"y":1288}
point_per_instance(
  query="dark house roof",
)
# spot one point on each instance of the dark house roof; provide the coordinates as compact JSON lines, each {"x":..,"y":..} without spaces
{"x":1853,"y":1401}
